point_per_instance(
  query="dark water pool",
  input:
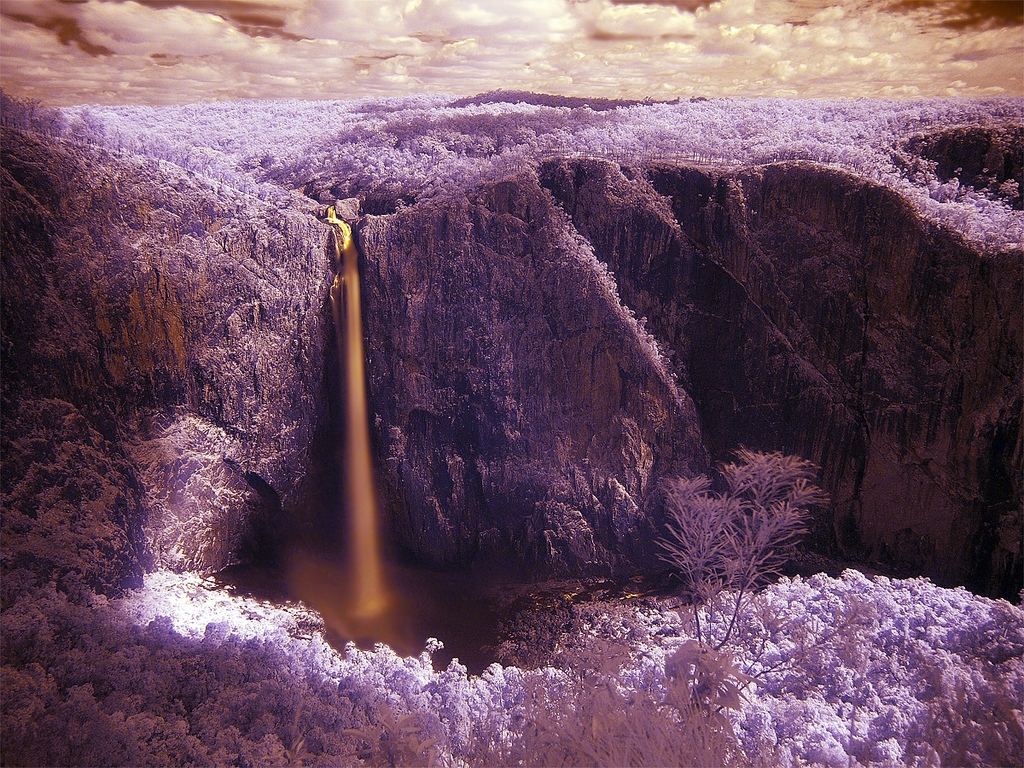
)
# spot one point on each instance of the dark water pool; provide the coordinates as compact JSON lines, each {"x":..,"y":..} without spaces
{"x":480,"y":620}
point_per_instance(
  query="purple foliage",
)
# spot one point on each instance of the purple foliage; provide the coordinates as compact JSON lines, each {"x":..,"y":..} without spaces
{"x":415,"y":148}
{"x":180,"y":672}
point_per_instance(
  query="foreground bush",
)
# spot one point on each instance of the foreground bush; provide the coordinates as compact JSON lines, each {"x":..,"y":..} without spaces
{"x":849,"y":671}
{"x":730,"y":542}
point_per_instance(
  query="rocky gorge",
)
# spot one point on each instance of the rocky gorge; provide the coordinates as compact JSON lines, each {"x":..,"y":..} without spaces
{"x":542,"y":348}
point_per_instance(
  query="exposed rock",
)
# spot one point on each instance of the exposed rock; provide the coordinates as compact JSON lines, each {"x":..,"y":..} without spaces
{"x":204,"y":511}
{"x":990,"y":159}
{"x":131,"y":289}
{"x":815,"y":313}
{"x":522,"y":413}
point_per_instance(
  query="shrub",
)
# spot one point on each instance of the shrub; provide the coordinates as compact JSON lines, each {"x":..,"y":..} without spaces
{"x":590,"y":715}
{"x":734,"y":540}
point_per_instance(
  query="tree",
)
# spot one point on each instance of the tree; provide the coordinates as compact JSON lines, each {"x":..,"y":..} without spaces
{"x":730,"y":542}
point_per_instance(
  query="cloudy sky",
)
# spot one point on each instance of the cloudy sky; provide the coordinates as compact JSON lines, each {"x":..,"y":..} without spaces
{"x":65,"y":52}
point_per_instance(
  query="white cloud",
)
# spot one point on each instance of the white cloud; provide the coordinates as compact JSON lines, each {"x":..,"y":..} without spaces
{"x":133,"y":29}
{"x":637,"y":21}
{"x":121,"y":50}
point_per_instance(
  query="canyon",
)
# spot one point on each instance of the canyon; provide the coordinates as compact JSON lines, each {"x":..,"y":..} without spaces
{"x":541,"y":349}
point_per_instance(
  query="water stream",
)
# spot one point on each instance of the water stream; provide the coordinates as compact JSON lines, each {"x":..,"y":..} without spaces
{"x":368,"y":602}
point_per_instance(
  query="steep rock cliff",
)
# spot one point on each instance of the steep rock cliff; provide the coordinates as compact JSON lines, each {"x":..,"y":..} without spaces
{"x":174,"y":332}
{"x":815,"y":313}
{"x":142,"y":306}
{"x":523,"y":414}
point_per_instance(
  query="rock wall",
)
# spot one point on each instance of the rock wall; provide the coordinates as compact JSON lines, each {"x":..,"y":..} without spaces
{"x":138,"y":301}
{"x":522,"y":413}
{"x":815,"y":313}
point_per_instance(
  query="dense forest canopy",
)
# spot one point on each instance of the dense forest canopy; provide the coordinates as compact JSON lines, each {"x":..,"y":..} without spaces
{"x":398,"y":150}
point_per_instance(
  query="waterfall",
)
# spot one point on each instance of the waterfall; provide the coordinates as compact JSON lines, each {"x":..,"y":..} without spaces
{"x":369,"y":596}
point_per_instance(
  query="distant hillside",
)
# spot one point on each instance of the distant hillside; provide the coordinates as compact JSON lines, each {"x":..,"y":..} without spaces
{"x":543,"y":100}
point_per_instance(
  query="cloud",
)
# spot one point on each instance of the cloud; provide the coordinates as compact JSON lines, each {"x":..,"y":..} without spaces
{"x":257,"y":18}
{"x":166,"y":51}
{"x":690,"y":6}
{"x":51,"y":17}
{"x":637,"y":21}
{"x":966,"y":14}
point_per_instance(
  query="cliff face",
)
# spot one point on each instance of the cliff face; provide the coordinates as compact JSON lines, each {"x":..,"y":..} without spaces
{"x":177,"y":332}
{"x":815,"y":313}
{"x":523,"y":415}
{"x":168,"y":366}
{"x":978,"y":157}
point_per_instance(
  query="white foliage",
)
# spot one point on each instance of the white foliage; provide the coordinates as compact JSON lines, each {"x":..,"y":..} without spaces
{"x":919,"y":675}
{"x":419,"y":147}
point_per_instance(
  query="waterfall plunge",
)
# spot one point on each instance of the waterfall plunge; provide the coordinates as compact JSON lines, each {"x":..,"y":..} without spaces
{"x":369,"y":597}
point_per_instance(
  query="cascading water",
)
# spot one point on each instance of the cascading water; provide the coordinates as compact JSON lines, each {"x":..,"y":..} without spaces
{"x":369,"y":600}
{"x":358,"y":603}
